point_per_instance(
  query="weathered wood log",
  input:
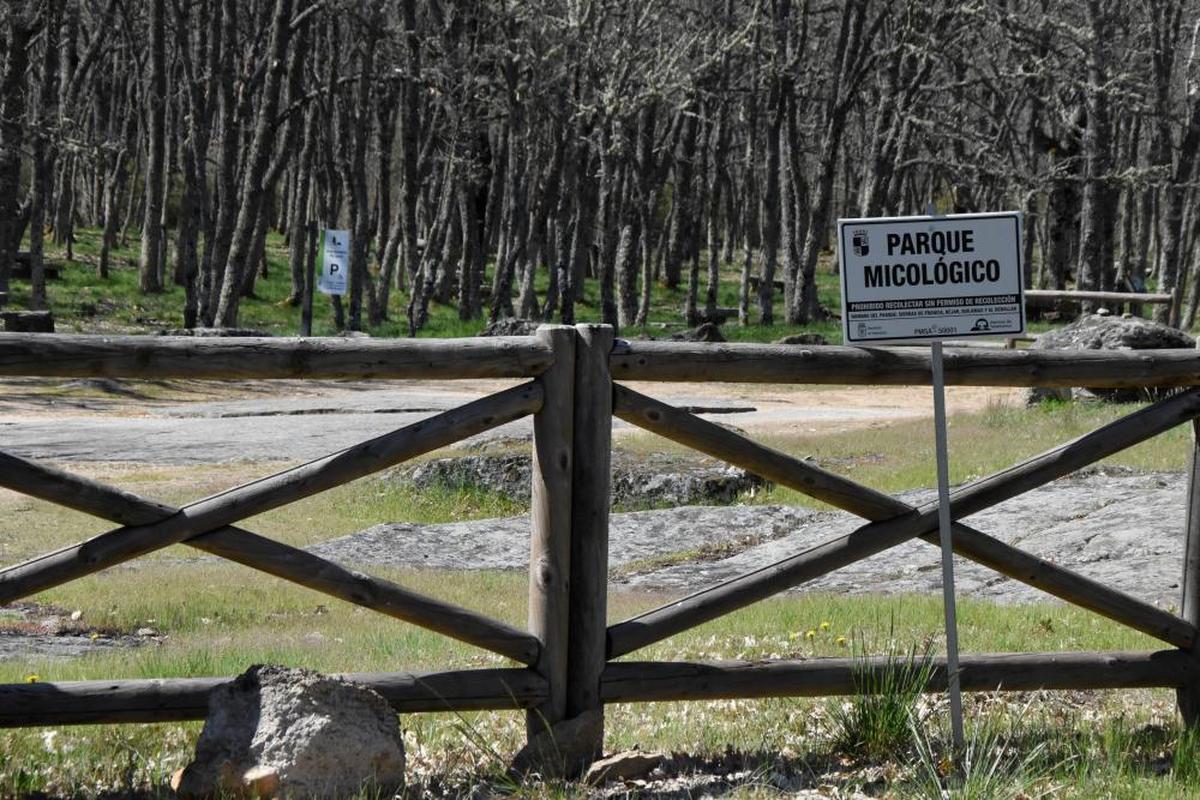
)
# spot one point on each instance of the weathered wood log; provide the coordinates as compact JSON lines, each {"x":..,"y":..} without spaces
{"x":550,"y":517}
{"x":171,"y":699}
{"x":590,"y":503}
{"x":1188,"y":695}
{"x":896,"y":526}
{"x":156,"y":357}
{"x":843,"y":493}
{"x":274,"y":558}
{"x":228,"y":507}
{"x":899,"y":366}
{"x":1047,"y":296}
{"x":639,"y":682}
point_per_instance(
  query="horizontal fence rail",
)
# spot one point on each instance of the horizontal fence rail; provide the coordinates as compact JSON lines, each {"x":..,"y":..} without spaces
{"x":176,"y":699}
{"x":83,"y":356}
{"x":900,"y":366}
{"x":646,"y":681}
{"x":1049,"y":296}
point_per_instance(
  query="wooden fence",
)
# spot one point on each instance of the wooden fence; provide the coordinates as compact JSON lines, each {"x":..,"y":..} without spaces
{"x":568,"y":654}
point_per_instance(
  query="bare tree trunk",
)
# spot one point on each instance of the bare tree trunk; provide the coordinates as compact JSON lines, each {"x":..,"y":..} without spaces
{"x":719,"y":185}
{"x":156,"y":142}
{"x":700,"y":204}
{"x":410,"y":142}
{"x":218,"y":238}
{"x":1096,"y":212}
{"x":581,"y":244}
{"x":44,"y":150}
{"x":770,"y":218}
{"x":300,"y":214}
{"x":749,"y":208}
{"x":257,"y":163}
{"x":683,"y":199}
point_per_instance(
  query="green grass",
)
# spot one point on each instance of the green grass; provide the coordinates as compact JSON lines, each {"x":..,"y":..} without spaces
{"x":82,"y":302}
{"x":899,"y":455}
{"x":207,"y":632}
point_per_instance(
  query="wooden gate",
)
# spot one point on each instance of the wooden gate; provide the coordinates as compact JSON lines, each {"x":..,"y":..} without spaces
{"x":570,"y":649}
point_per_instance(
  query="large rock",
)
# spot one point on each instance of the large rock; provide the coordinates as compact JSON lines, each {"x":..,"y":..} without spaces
{"x":804,"y":339}
{"x":1104,"y":332}
{"x":214,"y":333}
{"x":296,"y":734}
{"x":564,"y":751}
{"x":705,"y":332}
{"x":511,"y":326}
{"x":654,"y":480}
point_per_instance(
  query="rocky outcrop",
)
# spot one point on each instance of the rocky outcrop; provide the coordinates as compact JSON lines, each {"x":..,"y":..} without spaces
{"x":296,"y":734}
{"x":706,"y":332}
{"x":803,"y":338}
{"x":1105,"y":332}
{"x":214,"y":333}
{"x":644,"y":481}
{"x":1118,"y":527}
{"x":511,"y":326}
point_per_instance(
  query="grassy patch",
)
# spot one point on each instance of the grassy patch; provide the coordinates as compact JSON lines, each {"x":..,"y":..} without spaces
{"x":900,"y":455}
{"x":230,"y":618}
{"x":215,"y":618}
{"x":84,"y":303}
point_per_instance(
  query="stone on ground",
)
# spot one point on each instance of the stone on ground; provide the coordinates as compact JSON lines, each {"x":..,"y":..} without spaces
{"x":511,"y":326}
{"x":629,"y":765}
{"x":1105,"y":332}
{"x":276,"y":731}
{"x":705,"y":332}
{"x":803,"y":338}
{"x":564,"y":751}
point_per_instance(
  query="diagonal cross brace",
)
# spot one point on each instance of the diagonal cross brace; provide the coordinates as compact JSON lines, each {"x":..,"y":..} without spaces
{"x":219,"y":511}
{"x":275,"y":558}
{"x":896,"y":522}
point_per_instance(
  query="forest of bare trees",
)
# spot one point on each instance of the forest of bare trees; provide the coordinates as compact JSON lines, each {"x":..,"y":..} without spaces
{"x":493,"y":155}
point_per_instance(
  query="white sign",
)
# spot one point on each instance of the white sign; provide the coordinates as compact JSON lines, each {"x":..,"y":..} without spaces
{"x":931,"y":277}
{"x":335,"y":262}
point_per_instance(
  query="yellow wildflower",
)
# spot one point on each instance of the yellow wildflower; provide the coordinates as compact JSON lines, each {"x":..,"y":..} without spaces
{"x":810,"y":634}
{"x":31,"y":678}
{"x":825,"y":626}
{"x":841,"y":641}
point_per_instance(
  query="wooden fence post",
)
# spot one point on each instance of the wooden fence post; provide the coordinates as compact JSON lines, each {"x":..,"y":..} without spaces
{"x":1188,"y":697}
{"x":550,"y":514}
{"x":589,"y":531}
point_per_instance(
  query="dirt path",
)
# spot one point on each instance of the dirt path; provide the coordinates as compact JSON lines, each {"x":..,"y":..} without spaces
{"x":181,"y":422}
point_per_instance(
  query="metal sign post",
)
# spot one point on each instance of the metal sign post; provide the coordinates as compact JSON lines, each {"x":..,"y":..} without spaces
{"x":943,"y":481}
{"x":927,"y":278}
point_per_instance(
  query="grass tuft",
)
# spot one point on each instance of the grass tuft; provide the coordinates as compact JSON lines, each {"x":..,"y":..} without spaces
{"x":994,"y":765}
{"x":876,"y":722}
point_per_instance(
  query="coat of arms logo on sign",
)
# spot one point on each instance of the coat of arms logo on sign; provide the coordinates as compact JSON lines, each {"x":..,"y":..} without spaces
{"x":861,"y":243}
